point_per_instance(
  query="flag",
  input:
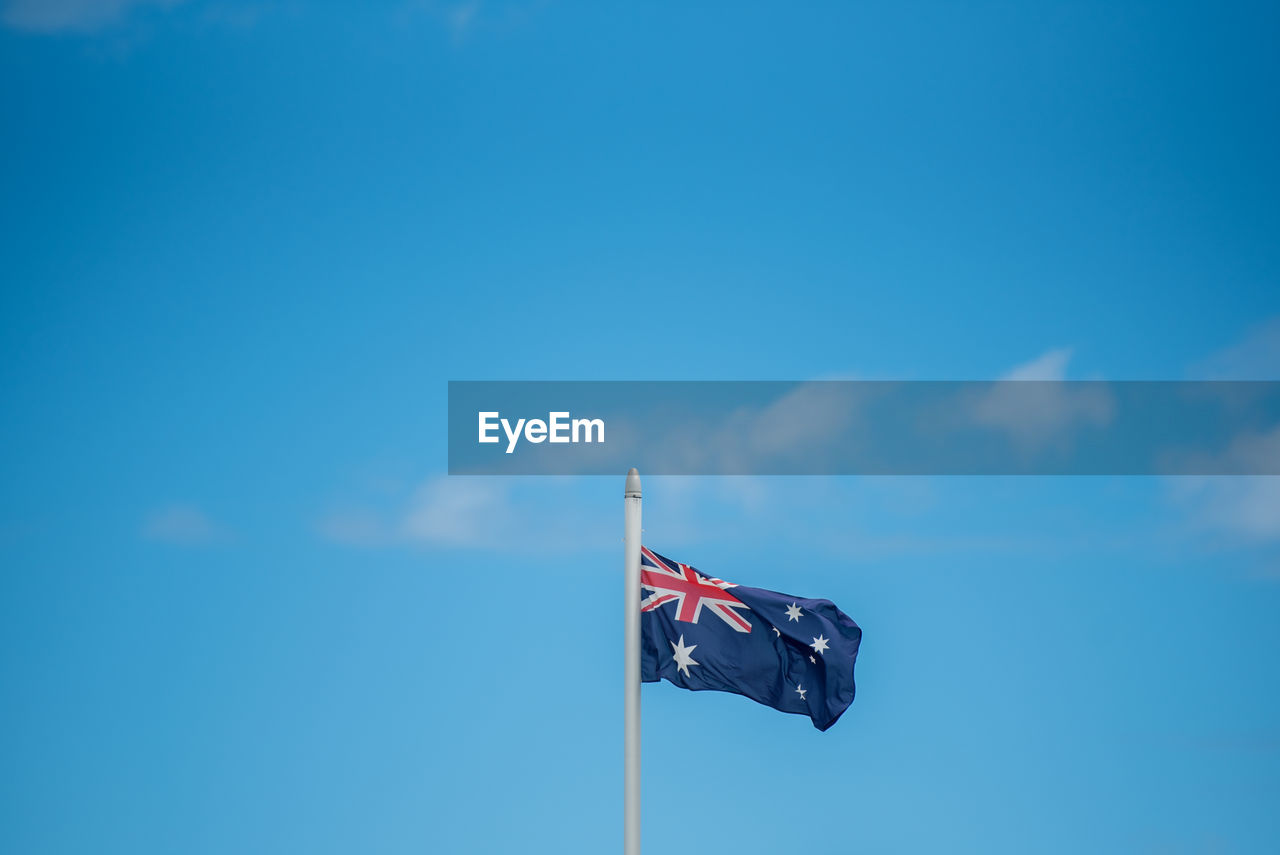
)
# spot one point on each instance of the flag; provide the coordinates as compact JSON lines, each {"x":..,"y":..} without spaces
{"x":791,"y":653}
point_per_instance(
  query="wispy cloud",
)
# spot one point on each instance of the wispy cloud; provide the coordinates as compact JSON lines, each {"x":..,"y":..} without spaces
{"x":487,"y":513}
{"x":517,"y":515}
{"x":1246,"y":507}
{"x":1041,"y":409}
{"x":1243,"y":507}
{"x":1255,"y":357}
{"x":1050,"y":365}
{"x":184,"y":525}
{"x":1240,"y":510}
{"x":458,"y":512}
{"x":59,"y":16}
{"x":441,"y":512}
{"x":812,"y":415}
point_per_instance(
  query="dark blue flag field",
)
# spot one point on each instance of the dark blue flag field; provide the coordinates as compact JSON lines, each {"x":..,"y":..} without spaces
{"x":790,"y":653}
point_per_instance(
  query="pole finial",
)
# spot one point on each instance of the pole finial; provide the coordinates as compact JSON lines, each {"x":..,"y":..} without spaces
{"x":633,"y":484}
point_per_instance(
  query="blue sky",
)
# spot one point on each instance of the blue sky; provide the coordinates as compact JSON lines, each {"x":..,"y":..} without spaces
{"x":245,"y":246}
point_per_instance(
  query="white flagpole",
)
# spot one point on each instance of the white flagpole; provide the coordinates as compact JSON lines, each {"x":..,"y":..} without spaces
{"x":631,"y":626}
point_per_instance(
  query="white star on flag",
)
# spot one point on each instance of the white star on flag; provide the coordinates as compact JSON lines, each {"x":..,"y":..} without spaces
{"x":820,"y":644}
{"x":683,"y":659}
{"x":794,"y":613}
{"x":801,"y":690}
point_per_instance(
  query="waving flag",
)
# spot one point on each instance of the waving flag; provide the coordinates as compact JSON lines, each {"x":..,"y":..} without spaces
{"x":791,"y":653}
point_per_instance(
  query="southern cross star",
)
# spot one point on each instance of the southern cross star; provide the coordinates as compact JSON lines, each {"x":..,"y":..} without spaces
{"x":683,"y":659}
{"x":801,"y":691}
{"x":794,"y":613}
{"x":820,"y":644}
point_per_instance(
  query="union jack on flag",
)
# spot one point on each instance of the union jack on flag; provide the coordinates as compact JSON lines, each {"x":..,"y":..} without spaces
{"x":671,"y":581}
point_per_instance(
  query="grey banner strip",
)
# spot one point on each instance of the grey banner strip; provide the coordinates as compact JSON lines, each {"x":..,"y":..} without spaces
{"x":864,"y":428}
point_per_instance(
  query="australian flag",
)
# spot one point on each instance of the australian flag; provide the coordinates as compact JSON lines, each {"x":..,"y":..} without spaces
{"x":790,"y":653}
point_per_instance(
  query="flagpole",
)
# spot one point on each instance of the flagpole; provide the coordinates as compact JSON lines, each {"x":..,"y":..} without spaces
{"x":631,"y":671}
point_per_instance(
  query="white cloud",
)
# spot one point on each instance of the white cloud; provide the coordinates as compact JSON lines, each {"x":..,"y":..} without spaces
{"x":1255,"y":357}
{"x":1050,"y":365}
{"x":862,"y":520}
{"x":810,"y":413}
{"x":185,"y":525}
{"x":504,"y":514}
{"x":1245,"y":506}
{"x":1254,"y":452}
{"x":457,"y":511}
{"x":444,"y":511}
{"x":1034,"y":405}
{"x":785,"y":433}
